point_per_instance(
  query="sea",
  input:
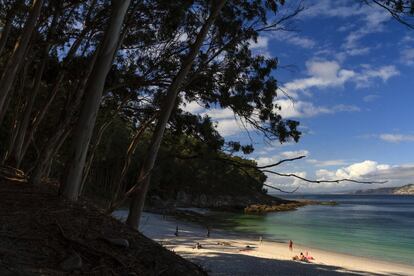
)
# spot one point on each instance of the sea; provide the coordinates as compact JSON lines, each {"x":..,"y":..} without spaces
{"x":376,"y":226}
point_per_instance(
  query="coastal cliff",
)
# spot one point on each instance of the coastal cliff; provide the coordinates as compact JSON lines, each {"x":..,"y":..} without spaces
{"x":402,"y":190}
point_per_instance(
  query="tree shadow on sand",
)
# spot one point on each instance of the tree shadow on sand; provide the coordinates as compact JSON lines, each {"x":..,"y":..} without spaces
{"x":238,"y":264}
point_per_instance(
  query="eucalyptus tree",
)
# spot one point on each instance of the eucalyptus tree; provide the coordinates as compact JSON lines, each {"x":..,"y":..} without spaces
{"x":17,"y":57}
{"x":400,"y":10}
{"x":70,"y":188}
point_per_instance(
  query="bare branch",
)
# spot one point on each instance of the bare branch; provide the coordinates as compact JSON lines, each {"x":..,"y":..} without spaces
{"x":323,"y":181}
{"x":280,"y":162}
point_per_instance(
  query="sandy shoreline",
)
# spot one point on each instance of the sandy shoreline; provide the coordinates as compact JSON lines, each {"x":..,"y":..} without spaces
{"x":225,"y":253}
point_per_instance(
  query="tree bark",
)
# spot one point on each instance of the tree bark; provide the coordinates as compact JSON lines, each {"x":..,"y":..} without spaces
{"x":130,"y":152}
{"x":17,"y":110}
{"x":15,"y":157}
{"x":84,"y":128}
{"x":138,"y":200}
{"x":16,"y":154}
{"x":17,"y":57}
{"x":5,"y":35}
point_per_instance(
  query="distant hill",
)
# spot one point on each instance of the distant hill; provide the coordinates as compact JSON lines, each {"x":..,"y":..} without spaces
{"x":403,"y":190}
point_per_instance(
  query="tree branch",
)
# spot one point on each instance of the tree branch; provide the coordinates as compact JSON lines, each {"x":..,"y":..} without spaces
{"x":324,"y":181}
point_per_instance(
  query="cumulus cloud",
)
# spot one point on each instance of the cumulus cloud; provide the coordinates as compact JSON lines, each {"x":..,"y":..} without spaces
{"x":371,"y":171}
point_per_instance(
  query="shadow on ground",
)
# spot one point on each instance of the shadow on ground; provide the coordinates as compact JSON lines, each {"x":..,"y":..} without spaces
{"x":250,"y":265}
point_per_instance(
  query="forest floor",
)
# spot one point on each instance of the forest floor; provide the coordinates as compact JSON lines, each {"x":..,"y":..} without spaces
{"x":41,"y":234}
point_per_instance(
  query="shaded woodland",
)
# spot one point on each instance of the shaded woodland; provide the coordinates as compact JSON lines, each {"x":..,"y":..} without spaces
{"x":93,"y":94}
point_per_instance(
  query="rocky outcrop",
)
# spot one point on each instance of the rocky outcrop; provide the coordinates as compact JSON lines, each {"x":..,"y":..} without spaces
{"x":282,"y":207}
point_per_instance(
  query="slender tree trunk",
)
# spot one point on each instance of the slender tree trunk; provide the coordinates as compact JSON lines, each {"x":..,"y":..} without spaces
{"x":83,"y":130}
{"x":40,"y":115}
{"x":17,"y":152}
{"x":62,"y":129}
{"x":18,"y":110}
{"x":17,"y":57}
{"x":5,"y":35}
{"x":15,"y":157}
{"x":130,"y":152}
{"x":138,"y":200}
{"x":93,"y":148}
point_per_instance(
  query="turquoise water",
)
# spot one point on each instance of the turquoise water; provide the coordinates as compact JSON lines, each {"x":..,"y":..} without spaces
{"x":381,"y":227}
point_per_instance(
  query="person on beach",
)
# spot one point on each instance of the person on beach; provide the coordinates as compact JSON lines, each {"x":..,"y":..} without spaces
{"x":208,"y":231}
{"x":176,"y":231}
{"x":260,"y":240}
{"x":301,"y":258}
{"x":290,"y":245}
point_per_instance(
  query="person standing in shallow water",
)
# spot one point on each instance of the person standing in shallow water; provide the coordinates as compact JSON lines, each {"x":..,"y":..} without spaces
{"x":290,"y":245}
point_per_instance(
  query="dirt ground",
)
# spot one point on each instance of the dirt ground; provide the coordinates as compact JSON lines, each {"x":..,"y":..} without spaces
{"x":41,"y":234}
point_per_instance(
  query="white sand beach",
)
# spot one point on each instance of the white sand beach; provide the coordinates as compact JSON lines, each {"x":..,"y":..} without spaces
{"x":225,"y":253}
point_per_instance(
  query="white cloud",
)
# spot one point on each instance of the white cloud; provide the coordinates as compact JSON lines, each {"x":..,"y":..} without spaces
{"x":368,"y":74}
{"x":369,"y":170}
{"x":396,"y":138}
{"x":293,"y":154}
{"x":301,"y":109}
{"x":266,"y":160}
{"x":228,"y":127}
{"x":329,"y":74}
{"x":192,"y":107}
{"x":227,"y":123}
{"x":358,"y":51}
{"x":295,"y":39}
{"x":219,"y":113}
{"x":367,"y":19}
{"x":262,"y":43}
{"x":322,"y":74}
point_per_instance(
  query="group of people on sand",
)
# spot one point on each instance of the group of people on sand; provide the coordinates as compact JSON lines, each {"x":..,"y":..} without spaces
{"x":303,"y":258}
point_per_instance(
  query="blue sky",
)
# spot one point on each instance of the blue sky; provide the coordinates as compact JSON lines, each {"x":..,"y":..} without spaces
{"x":350,"y":70}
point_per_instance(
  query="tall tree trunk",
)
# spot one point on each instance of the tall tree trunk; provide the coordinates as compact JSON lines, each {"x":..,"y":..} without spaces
{"x":130,"y":152}
{"x":17,"y":57}
{"x":56,"y":87}
{"x":138,"y":200}
{"x":17,"y":110}
{"x":16,"y":154}
{"x":5,"y":35}
{"x":62,"y":129}
{"x":15,"y":157}
{"x":83,"y":130}
{"x":5,"y":32}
